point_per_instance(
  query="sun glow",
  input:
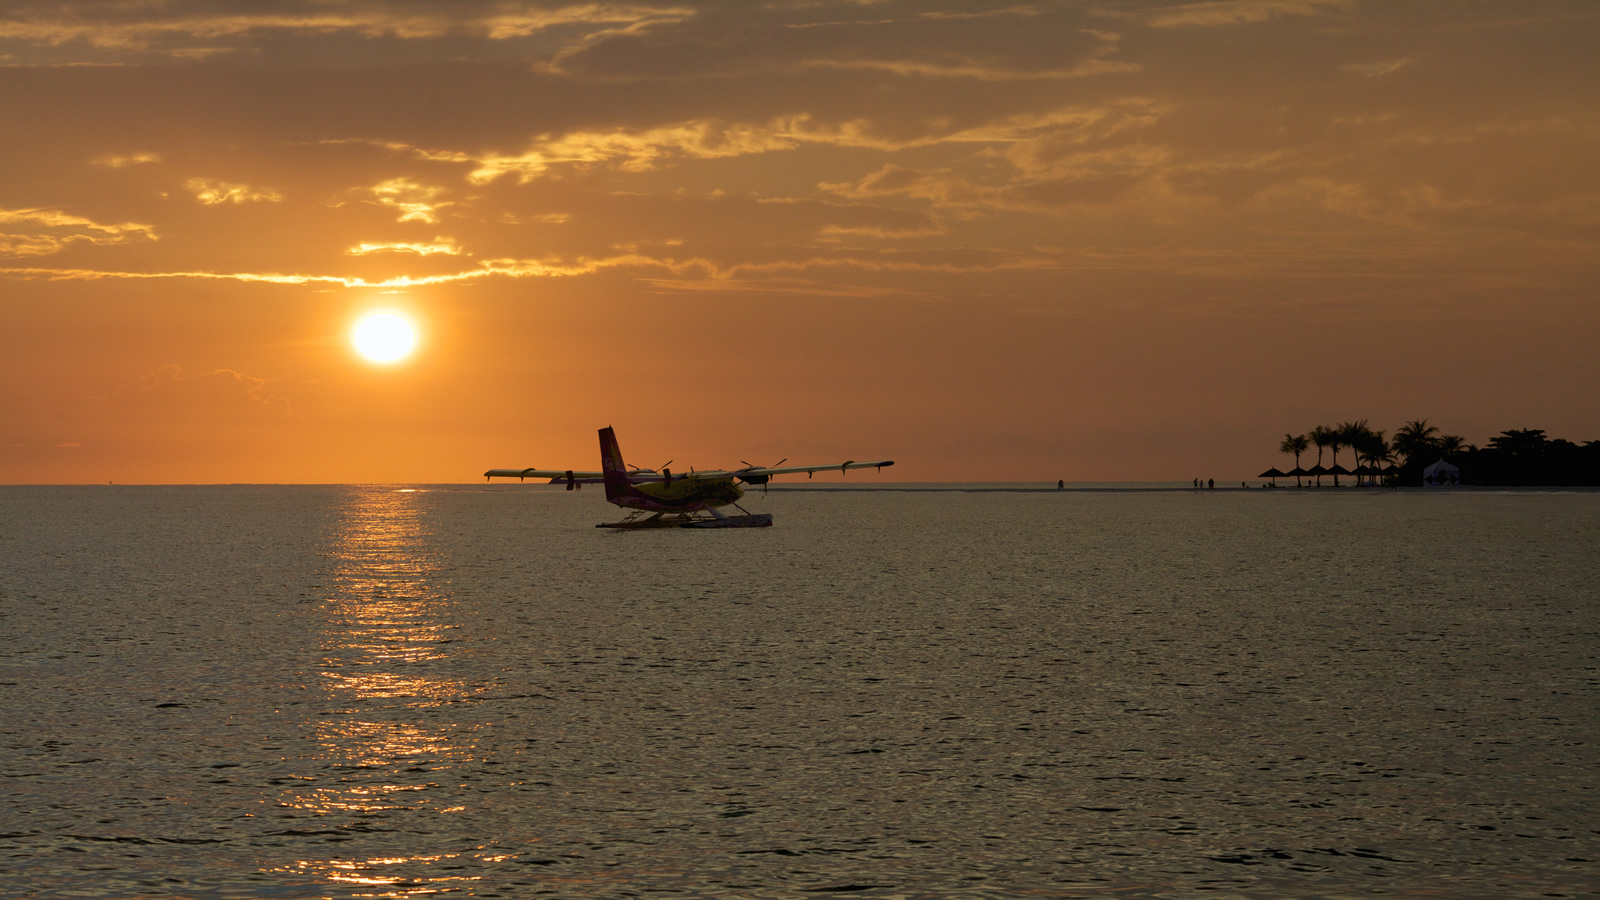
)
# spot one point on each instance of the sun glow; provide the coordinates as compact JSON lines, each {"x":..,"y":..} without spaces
{"x":384,"y":337}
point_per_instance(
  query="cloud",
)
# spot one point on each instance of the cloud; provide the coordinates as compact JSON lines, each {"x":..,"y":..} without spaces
{"x":506,"y":267}
{"x":176,"y":28}
{"x":52,"y":231}
{"x":1377,"y":69}
{"x":637,"y":151}
{"x":857,"y":220}
{"x":420,"y":248}
{"x":215,"y":389}
{"x":1094,"y":63}
{"x":19,"y":245}
{"x":59,"y":445}
{"x":115,"y":161}
{"x":929,"y":229}
{"x":945,"y":187}
{"x":55,"y":218}
{"x":1055,"y":159}
{"x":555,"y":218}
{"x":212,"y":192}
{"x":641,"y":150}
{"x":1052,"y":159}
{"x":1362,"y":120}
{"x":801,"y":43}
{"x":414,"y":202}
{"x":1582,"y":127}
{"x":977,"y":71}
{"x":1236,"y":12}
{"x":247,"y":277}
{"x":521,"y":24}
{"x":935,"y":260}
{"x":1020,"y":12}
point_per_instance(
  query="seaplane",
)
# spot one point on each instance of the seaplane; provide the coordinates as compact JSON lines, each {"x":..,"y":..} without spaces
{"x":660,"y":499}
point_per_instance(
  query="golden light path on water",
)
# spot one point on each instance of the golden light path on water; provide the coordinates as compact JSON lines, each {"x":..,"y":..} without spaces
{"x":386,"y":627}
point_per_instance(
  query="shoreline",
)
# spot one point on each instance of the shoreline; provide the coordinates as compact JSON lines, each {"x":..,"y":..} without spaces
{"x":953,"y":487}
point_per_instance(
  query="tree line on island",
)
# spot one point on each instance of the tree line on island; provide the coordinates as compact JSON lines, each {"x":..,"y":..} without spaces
{"x":1515,"y":457}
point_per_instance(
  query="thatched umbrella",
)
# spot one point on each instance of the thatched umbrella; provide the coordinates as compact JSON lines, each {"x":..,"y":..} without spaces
{"x":1318,"y":471}
{"x":1298,"y":473}
{"x":1272,"y":473}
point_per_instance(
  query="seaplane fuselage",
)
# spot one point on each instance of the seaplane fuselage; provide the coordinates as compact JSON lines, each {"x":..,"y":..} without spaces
{"x":684,"y":493}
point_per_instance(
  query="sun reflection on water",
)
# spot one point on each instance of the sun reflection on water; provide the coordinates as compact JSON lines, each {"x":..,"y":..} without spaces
{"x":387,"y":750}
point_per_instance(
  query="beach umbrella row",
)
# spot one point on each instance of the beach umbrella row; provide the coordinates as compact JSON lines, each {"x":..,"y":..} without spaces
{"x":1316,"y":470}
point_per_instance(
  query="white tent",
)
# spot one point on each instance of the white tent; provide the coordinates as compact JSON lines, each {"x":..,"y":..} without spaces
{"x":1441,"y":474}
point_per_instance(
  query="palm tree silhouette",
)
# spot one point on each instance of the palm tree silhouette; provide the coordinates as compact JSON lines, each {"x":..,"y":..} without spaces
{"x":1296,"y":444}
{"x":1322,"y":436}
{"x":1335,"y":441}
{"x":1414,"y":439}
{"x":1375,"y":449}
{"x":1348,"y":434}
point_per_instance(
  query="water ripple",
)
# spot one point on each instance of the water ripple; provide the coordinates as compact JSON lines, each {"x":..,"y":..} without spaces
{"x":360,"y":692}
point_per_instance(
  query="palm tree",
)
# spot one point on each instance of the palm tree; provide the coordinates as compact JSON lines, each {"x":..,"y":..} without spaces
{"x":1322,"y":436}
{"x":1296,"y":444}
{"x":1375,"y":449}
{"x":1349,"y":434}
{"x":1451,"y":444}
{"x":1335,"y":441}
{"x":1415,"y":438}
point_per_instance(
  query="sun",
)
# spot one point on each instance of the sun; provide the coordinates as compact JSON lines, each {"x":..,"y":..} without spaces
{"x":384,"y":337}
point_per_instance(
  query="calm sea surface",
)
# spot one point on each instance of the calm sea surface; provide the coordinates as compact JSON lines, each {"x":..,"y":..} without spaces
{"x":295,"y":692}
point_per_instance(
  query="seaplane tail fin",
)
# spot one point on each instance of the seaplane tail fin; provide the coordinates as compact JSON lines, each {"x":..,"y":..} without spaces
{"x":612,"y":467}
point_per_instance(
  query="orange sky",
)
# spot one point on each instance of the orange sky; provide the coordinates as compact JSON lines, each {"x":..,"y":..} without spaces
{"x":999,"y":242}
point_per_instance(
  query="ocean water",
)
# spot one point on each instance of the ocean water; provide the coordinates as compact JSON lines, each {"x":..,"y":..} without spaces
{"x":294,"y":692}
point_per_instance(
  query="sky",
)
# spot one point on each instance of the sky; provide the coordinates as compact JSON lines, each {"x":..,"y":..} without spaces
{"x":1092,"y":241}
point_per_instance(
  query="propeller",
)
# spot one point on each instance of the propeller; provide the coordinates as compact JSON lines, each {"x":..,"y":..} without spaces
{"x":752,"y":465}
{"x":637,"y":470}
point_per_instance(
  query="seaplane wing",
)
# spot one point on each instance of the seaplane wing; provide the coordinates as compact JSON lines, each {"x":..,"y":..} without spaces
{"x":558,"y":476}
{"x":750,"y":473}
{"x":532,"y":472}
